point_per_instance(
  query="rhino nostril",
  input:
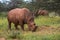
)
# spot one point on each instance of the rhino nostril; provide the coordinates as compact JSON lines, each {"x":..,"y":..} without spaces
{"x":34,"y":24}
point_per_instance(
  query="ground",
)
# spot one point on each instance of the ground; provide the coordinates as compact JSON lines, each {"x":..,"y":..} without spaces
{"x":48,"y":29}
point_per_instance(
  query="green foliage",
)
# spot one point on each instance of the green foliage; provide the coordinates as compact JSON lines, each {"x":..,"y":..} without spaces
{"x":3,"y":14}
{"x":51,"y":5}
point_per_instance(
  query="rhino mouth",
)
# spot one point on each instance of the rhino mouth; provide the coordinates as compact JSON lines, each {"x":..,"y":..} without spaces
{"x":34,"y":29}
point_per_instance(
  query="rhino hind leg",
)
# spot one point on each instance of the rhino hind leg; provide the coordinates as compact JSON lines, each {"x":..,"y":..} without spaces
{"x":9,"y":25}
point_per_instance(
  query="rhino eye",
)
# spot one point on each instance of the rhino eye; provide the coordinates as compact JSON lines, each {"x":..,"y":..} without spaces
{"x":30,"y":19}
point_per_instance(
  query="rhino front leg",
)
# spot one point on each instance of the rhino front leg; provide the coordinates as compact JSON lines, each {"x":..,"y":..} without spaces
{"x":22,"y":27}
{"x":16,"y":26}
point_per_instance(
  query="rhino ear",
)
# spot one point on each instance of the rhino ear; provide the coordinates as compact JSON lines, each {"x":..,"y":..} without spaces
{"x":33,"y":14}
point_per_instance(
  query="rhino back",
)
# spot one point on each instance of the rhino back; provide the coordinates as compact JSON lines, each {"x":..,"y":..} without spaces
{"x":18,"y":14}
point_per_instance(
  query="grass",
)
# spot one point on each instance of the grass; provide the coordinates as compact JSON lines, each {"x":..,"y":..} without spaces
{"x":44,"y":20}
{"x":28,"y":35}
{"x":42,"y":37}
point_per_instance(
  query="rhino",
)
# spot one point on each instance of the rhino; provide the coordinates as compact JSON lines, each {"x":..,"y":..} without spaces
{"x":21,"y":16}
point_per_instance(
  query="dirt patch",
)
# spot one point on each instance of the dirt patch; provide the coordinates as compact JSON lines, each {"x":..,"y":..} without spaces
{"x":44,"y":30}
{"x":2,"y":39}
{"x":48,"y":28}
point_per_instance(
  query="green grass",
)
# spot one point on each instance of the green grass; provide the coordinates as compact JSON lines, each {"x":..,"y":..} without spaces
{"x":42,"y":37}
{"x":28,"y":35}
{"x":44,"y":20}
